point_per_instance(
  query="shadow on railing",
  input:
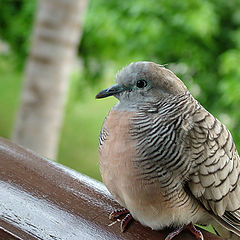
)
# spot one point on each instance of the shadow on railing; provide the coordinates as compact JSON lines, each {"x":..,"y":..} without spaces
{"x":40,"y":199}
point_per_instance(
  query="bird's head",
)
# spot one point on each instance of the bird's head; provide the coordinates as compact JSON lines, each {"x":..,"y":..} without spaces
{"x":141,"y":82}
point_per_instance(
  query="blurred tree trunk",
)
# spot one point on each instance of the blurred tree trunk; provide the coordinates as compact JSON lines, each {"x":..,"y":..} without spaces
{"x":56,"y":34}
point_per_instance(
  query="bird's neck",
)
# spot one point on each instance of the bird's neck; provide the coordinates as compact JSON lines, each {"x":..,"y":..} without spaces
{"x":158,"y":129}
{"x":168,"y":104}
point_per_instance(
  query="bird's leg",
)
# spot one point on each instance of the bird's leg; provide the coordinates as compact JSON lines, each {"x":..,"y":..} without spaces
{"x":125,"y":221}
{"x":197,"y":233}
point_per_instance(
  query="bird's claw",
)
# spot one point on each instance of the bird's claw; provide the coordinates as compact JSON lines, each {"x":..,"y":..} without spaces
{"x":125,"y":220}
{"x":118,"y":213}
{"x":197,"y":233}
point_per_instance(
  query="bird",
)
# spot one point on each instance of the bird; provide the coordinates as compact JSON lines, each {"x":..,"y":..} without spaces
{"x":165,"y":159}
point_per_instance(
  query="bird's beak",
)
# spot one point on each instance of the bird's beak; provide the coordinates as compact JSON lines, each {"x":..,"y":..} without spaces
{"x":115,"y":89}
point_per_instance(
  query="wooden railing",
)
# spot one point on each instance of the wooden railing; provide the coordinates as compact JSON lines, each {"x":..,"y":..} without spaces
{"x":40,"y":199}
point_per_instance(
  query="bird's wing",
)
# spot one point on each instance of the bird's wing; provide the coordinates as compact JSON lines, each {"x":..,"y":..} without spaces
{"x":215,"y":176}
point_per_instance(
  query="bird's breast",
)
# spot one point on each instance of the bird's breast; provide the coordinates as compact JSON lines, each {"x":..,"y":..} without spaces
{"x":117,"y":151}
{"x":118,"y":162}
{"x":147,"y":202}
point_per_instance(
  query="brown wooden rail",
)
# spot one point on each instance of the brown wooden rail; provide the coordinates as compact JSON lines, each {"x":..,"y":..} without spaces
{"x":40,"y":199}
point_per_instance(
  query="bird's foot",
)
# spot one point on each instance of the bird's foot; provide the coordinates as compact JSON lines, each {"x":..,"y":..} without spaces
{"x":125,"y":221}
{"x":118,"y":213}
{"x":197,"y":233}
{"x":171,"y":235}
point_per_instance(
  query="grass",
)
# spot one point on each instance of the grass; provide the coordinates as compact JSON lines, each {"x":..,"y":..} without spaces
{"x":10,"y":85}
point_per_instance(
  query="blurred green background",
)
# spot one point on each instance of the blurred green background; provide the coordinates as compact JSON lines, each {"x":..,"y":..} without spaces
{"x":198,"y":39}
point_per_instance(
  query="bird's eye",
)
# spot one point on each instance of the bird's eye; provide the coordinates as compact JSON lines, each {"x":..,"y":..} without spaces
{"x":141,"y":83}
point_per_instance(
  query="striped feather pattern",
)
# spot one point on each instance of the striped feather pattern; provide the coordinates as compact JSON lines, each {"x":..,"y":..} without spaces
{"x":102,"y":137}
{"x":215,"y":177}
{"x":163,"y":151}
{"x":180,"y":142}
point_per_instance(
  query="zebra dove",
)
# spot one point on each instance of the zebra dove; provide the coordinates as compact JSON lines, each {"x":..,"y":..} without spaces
{"x":165,"y":158}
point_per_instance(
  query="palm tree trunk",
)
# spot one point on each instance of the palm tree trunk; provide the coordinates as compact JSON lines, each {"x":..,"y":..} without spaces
{"x":57,"y":31}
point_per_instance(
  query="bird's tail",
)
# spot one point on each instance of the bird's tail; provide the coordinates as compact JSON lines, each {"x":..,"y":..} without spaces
{"x":225,"y":233}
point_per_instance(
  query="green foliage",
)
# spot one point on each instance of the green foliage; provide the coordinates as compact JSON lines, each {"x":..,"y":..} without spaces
{"x":199,"y":39}
{"x":16,"y":19}
{"x":10,"y":85}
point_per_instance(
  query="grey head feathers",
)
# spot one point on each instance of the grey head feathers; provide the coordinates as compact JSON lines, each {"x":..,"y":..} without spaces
{"x":158,"y":78}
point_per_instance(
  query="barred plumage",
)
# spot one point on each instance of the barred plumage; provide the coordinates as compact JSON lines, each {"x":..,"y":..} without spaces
{"x":164,"y":157}
{"x":159,"y":139}
{"x":102,"y":137}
